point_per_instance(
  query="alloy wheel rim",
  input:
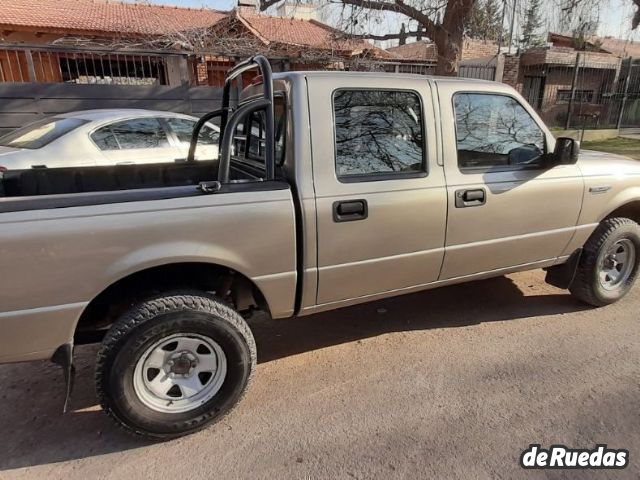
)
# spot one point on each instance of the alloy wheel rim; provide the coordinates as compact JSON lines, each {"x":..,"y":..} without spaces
{"x":179,"y":373}
{"x":617,"y":264}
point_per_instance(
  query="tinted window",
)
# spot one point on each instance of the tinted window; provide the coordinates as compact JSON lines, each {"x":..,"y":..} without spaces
{"x":377,"y":132}
{"x":40,"y":133}
{"x":183,"y":129}
{"x":131,"y":134}
{"x":496,"y":131}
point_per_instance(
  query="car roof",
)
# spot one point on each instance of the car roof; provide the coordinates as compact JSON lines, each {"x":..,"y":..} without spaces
{"x":392,"y":77}
{"x":118,"y":113}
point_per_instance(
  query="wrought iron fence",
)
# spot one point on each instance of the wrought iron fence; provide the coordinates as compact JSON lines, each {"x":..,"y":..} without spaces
{"x":81,"y":66}
{"x":584,"y":94}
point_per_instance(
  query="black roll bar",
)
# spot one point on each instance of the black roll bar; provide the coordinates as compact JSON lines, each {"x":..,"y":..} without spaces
{"x":196,"y":132}
{"x":229,"y":131}
{"x":263,"y":66}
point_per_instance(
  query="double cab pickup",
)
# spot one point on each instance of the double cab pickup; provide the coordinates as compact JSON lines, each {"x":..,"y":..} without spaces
{"x":330,"y":189}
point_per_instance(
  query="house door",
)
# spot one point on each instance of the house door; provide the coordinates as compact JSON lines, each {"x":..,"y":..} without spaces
{"x":533,"y":90}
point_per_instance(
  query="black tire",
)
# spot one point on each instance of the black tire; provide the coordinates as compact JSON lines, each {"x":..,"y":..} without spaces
{"x":147,"y":323}
{"x":586,"y":285}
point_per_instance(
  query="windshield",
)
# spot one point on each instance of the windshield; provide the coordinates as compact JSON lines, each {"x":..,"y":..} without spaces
{"x":40,"y":133}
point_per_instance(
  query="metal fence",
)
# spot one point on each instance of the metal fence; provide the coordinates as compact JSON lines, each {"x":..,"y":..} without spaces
{"x":585,"y":94}
{"x":567,"y":94}
{"x":81,"y":66}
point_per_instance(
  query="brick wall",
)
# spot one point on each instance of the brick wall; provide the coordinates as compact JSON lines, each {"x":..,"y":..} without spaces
{"x":511,"y":73}
{"x":478,"y":49}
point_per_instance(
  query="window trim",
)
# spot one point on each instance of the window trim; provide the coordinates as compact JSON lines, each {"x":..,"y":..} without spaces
{"x":497,"y":169}
{"x":592,"y":94}
{"x":384,"y":176}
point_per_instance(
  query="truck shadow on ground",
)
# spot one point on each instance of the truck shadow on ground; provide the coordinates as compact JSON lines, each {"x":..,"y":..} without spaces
{"x":31,"y":396}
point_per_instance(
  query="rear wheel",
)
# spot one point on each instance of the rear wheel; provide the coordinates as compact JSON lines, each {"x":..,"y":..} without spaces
{"x":174,"y":364}
{"x":609,"y":263}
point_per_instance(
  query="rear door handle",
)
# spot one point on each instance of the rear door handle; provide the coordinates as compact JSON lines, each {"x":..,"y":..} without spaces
{"x":350,"y":210}
{"x":470,"y":198}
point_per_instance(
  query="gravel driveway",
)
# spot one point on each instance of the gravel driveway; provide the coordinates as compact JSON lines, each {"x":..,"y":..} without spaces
{"x":451,"y":383}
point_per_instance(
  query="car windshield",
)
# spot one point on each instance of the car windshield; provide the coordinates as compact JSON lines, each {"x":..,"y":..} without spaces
{"x":40,"y":133}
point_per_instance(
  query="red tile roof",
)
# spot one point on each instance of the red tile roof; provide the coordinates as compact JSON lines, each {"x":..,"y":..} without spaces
{"x":303,"y":33}
{"x":422,"y":50}
{"x":102,"y":16}
{"x":619,"y":47}
{"x":99,"y":17}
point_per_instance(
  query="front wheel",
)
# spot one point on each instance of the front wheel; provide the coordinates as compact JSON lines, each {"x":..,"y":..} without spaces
{"x":174,"y":364}
{"x":609,"y":263}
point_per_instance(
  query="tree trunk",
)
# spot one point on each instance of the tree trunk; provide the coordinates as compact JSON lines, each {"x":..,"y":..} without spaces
{"x":450,"y":36}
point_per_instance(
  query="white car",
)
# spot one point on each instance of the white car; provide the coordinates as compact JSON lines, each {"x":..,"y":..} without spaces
{"x":105,"y":137}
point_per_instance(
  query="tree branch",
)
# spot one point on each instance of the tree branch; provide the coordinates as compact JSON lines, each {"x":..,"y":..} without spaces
{"x":264,"y":4}
{"x":388,"y":36}
{"x":398,"y":6}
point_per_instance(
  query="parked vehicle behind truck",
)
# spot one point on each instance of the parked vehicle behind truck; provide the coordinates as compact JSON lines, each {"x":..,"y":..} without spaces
{"x":331,"y":189}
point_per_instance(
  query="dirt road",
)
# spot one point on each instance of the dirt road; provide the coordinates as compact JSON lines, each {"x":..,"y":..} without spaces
{"x":452,"y":383}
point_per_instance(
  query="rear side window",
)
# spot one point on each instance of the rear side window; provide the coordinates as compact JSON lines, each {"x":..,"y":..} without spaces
{"x":378,"y":133}
{"x":495,"y":131}
{"x":183,"y":129}
{"x":40,"y":133}
{"x":131,"y":134}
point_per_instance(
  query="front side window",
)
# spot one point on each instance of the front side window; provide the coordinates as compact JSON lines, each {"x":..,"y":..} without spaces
{"x":131,"y":134}
{"x":38,"y":134}
{"x":377,"y":133}
{"x":496,"y":132}
{"x":183,"y":128}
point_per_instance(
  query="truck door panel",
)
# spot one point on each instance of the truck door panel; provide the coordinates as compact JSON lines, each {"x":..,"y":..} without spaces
{"x":502,"y":215}
{"x":376,"y":233}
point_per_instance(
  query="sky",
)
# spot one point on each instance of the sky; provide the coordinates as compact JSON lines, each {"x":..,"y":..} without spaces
{"x":615,"y":17}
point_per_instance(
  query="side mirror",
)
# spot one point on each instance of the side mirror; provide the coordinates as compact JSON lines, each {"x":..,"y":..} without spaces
{"x":566,"y":151}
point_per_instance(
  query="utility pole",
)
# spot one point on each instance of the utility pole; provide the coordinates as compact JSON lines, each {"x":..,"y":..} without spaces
{"x":625,"y":94}
{"x":574,"y":81}
{"x":501,"y":35}
{"x":513,"y":21}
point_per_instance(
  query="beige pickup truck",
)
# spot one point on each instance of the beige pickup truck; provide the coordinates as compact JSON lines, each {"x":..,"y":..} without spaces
{"x":331,"y":189}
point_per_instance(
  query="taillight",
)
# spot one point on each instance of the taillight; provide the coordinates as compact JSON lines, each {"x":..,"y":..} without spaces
{"x":3,"y":169}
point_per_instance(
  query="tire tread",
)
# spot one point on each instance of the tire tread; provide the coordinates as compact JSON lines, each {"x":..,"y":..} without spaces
{"x":146,"y":311}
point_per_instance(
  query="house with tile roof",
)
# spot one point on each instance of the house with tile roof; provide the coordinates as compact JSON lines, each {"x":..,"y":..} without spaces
{"x":212,"y":40}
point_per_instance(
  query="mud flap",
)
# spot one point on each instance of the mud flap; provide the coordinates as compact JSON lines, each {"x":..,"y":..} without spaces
{"x":562,"y":276}
{"x":63,"y":356}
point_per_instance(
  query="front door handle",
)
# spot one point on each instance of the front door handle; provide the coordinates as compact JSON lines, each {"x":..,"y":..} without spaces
{"x":470,"y":198}
{"x":350,"y":210}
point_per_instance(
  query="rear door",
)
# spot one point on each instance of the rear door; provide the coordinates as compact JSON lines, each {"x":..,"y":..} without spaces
{"x":134,"y":141}
{"x":380,"y":195}
{"x":507,"y":207}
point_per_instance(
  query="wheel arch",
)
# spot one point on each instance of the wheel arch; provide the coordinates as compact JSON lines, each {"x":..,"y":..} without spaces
{"x":630,"y":209}
{"x":225,"y":282}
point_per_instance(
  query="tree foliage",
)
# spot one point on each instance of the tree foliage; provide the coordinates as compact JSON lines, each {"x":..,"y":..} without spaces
{"x":531,"y":36}
{"x":485,"y":22}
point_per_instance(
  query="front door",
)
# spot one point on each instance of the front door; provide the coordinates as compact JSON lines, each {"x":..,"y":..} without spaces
{"x":507,"y":206}
{"x":380,"y":195}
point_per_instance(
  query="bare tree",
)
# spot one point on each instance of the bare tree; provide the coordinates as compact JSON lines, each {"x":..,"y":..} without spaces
{"x":443,"y":21}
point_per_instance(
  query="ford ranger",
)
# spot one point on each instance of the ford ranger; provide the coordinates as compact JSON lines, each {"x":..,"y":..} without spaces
{"x":331,"y":189}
